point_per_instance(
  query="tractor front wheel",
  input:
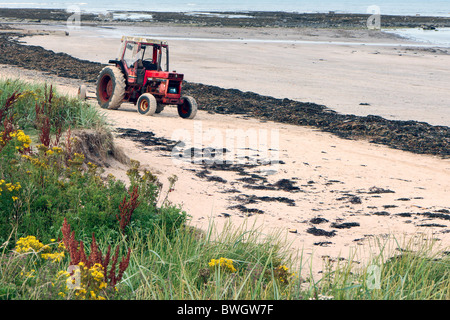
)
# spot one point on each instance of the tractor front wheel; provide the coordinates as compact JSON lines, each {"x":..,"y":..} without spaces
{"x":147,"y":104}
{"x":159,"y":108}
{"x":110,"y":87}
{"x":188,"y":109}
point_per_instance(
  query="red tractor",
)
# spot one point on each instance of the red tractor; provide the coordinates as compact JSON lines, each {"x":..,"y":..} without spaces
{"x":140,"y":74}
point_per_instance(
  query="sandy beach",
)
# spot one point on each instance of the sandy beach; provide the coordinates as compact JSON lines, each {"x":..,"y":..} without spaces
{"x":330,"y":197}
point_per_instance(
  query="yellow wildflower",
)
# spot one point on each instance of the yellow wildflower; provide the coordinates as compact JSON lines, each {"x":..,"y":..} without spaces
{"x":29,"y":274}
{"x":54,"y":257}
{"x":223,"y":263}
{"x":57,"y":149}
{"x":91,"y":281}
{"x":62,"y":273}
{"x":28,"y":244}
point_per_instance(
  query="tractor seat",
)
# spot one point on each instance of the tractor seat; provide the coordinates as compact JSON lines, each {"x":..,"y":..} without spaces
{"x":150,"y":66}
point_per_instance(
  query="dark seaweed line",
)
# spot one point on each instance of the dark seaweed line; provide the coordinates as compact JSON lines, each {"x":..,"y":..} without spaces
{"x":412,"y":136}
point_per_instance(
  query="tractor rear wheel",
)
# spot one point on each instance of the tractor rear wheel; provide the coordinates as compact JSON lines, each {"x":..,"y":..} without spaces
{"x":110,"y":87}
{"x":188,"y":109}
{"x":146,"y":104}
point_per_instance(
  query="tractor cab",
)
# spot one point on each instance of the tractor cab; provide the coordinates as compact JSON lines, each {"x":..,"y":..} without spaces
{"x":153,"y":56}
{"x":137,"y":55}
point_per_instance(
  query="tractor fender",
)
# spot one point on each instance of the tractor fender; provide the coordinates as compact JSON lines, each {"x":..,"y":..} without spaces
{"x":119,"y":64}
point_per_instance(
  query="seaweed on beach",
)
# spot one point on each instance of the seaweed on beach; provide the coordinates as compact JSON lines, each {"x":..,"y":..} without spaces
{"x":38,"y":58}
{"x":320,"y":232}
{"x":412,"y":136}
{"x":147,"y":138}
{"x":249,"y":199}
{"x":248,"y":211}
{"x":323,"y":243}
{"x":344,"y":225}
{"x":318,"y":220}
{"x":254,"y":19}
{"x":37,"y":15}
{"x":294,"y":20}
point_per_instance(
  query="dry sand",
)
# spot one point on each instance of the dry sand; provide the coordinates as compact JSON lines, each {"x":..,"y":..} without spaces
{"x":334,"y":176}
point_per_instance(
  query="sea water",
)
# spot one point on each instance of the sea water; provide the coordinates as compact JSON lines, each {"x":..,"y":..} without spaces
{"x":439,"y":37}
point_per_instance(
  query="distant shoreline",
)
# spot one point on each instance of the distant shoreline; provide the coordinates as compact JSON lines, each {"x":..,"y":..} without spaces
{"x":227,"y":19}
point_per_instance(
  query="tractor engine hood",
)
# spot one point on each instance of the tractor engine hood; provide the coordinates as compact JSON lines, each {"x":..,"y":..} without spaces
{"x":163,"y":75}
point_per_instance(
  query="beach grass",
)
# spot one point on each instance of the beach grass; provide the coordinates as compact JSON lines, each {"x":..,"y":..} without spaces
{"x":69,"y":232}
{"x":69,"y":111}
{"x":187,"y":267}
{"x":409,"y":269}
